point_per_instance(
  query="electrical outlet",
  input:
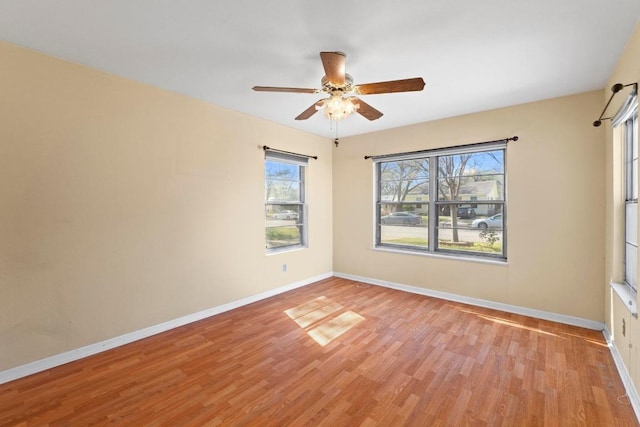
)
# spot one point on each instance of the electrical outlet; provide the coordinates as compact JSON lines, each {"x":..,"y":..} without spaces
{"x":284,"y":268}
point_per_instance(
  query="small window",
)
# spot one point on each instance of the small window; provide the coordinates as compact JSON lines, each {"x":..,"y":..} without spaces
{"x":285,"y":208}
{"x":424,"y":204}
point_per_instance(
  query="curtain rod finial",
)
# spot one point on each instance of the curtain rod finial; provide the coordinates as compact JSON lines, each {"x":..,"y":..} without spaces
{"x":617,"y":87}
{"x":597,"y":123}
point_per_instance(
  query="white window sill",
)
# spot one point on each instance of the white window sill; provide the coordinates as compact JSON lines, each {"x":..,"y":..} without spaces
{"x":285,"y":250}
{"x":627,"y":296}
{"x":458,"y":257}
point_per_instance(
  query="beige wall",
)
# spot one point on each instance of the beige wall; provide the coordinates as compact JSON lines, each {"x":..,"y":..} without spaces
{"x":124,"y":206}
{"x":627,"y":71}
{"x":555,"y":185}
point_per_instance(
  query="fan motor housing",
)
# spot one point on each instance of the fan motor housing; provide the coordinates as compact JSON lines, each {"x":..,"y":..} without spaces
{"x":330,"y":87}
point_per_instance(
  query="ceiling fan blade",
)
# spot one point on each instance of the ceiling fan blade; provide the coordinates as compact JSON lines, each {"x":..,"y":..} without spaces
{"x":284,"y":89}
{"x":367,"y":111}
{"x":333,"y":63}
{"x":309,"y":111}
{"x":405,"y":85}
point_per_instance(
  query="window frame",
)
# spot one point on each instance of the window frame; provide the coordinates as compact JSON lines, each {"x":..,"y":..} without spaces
{"x":300,"y":204}
{"x":630,"y":136}
{"x":434,"y":202}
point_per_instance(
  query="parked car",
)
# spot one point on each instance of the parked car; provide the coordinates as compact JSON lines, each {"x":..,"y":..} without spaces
{"x":494,"y":221}
{"x":466,"y":212}
{"x":404,"y":218}
{"x":286,"y":215}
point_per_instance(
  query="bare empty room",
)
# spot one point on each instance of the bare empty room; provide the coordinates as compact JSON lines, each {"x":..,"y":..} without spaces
{"x":342,"y":213}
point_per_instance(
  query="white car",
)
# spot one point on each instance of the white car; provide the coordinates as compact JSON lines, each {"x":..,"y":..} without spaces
{"x":494,"y":221}
{"x":286,"y":215}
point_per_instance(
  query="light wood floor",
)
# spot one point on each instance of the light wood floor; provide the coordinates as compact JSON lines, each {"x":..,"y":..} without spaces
{"x":337,"y":353}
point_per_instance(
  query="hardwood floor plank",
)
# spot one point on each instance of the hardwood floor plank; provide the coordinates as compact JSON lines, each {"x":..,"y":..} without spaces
{"x":390,"y":358}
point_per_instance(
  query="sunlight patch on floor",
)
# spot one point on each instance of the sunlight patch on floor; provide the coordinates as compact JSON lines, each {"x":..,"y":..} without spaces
{"x":601,"y":343}
{"x":508,"y":322}
{"x":307,"y":307}
{"x":316,"y":317}
{"x":332,"y":329}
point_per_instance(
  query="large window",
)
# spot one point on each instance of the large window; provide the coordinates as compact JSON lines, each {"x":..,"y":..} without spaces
{"x":285,"y":209}
{"x":450,"y":201}
{"x":627,"y":118}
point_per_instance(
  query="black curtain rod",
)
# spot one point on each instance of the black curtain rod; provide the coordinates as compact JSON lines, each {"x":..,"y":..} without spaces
{"x":266,"y":148}
{"x":614,"y":89}
{"x":433,"y":150}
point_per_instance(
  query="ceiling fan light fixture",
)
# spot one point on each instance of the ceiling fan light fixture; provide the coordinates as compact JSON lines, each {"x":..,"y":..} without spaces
{"x":336,"y":83}
{"x":338,"y":107}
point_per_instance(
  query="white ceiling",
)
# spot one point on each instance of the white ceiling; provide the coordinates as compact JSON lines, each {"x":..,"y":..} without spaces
{"x":474,"y":55}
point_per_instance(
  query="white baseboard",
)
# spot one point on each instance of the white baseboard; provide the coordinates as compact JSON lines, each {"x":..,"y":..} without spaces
{"x":538,"y":314}
{"x":89,"y":350}
{"x":630,"y":388}
{"x":79,"y":353}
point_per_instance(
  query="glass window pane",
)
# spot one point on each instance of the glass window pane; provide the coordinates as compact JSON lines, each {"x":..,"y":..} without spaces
{"x":634,"y":137}
{"x":282,"y":171}
{"x":471,"y":175}
{"x":405,"y":180}
{"x":634,"y":180}
{"x":631,"y":265}
{"x":278,"y":237}
{"x":631,"y":231}
{"x":463,"y":228}
{"x":283,"y":182}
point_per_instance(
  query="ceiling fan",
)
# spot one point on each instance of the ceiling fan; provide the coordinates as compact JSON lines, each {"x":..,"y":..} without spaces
{"x":337,"y":84}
